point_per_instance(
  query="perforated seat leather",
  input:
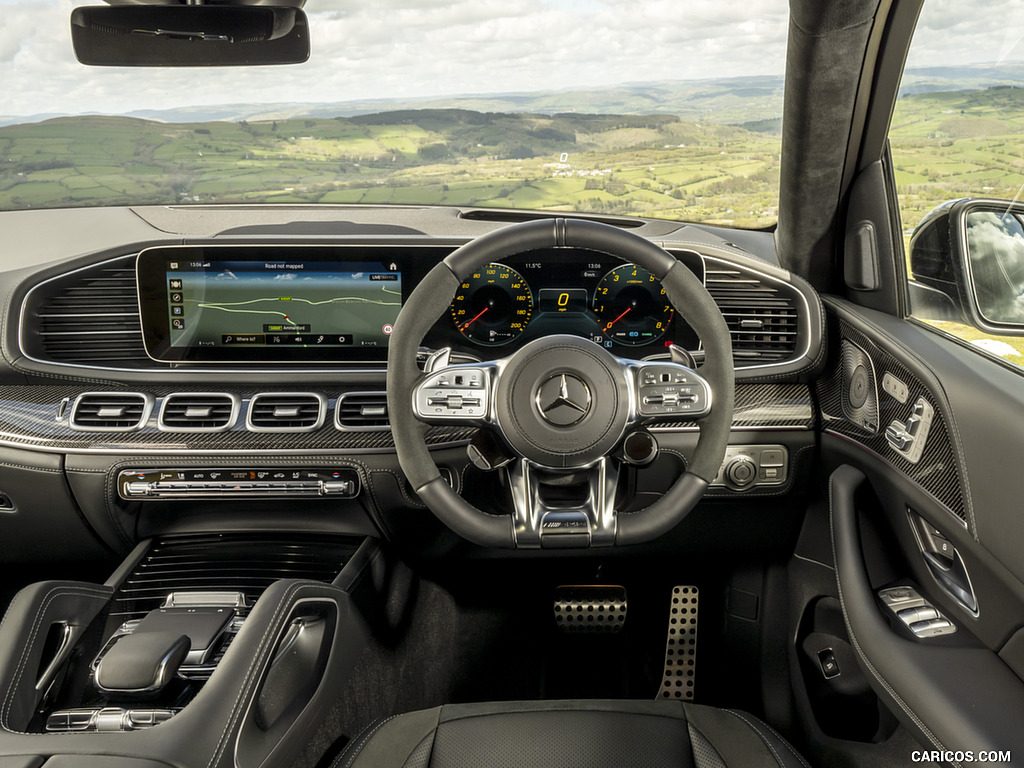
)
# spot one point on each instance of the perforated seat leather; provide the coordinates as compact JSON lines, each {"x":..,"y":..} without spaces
{"x":571,"y":734}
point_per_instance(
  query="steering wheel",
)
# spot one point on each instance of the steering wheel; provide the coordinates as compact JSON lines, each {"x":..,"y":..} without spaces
{"x":561,"y":406}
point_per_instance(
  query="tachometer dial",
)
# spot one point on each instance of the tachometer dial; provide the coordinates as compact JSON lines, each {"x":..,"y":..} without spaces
{"x":493,"y":305}
{"x":631,"y":306}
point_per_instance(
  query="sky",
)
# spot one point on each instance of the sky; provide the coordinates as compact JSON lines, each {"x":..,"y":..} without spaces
{"x":363,"y":49}
{"x":406,"y":48}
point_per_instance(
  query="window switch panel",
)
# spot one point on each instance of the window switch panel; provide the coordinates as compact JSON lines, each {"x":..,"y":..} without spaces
{"x":917,"y":614}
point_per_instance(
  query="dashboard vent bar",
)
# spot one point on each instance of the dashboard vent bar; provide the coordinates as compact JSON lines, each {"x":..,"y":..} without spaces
{"x":246,"y":563}
{"x":199,"y":412}
{"x":286,"y":412}
{"x":110,"y":411}
{"x":761,"y":318}
{"x":89,"y":318}
{"x":362,"y":410}
{"x":493,"y":214}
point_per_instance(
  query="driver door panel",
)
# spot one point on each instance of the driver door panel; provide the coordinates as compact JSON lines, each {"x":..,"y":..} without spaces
{"x":939,"y":516}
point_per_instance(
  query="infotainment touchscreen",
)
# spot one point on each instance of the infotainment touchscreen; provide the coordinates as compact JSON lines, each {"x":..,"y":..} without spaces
{"x":266,"y":304}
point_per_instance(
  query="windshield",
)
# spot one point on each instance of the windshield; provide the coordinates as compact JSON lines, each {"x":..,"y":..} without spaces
{"x":652,"y":108}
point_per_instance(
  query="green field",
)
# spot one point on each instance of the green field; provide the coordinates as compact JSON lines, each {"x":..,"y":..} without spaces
{"x":656,"y":165}
{"x":945,"y":145}
{"x":957,"y":144}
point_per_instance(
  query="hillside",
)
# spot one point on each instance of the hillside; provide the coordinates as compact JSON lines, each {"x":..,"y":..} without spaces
{"x":653,"y":164}
{"x":722,"y":100}
{"x":947,"y":145}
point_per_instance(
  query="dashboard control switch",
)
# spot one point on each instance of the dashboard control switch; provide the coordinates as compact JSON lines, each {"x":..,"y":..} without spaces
{"x":741,"y":471}
{"x":829,"y":665}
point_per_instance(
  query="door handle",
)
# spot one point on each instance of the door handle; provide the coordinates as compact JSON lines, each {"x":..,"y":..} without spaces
{"x":953,"y":577}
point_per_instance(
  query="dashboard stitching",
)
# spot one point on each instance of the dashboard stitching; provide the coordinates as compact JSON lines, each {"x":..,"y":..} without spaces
{"x":29,"y":467}
{"x":400,"y":479}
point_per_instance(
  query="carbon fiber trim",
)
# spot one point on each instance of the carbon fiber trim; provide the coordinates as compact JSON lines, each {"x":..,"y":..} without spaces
{"x":765,"y":406}
{"x":37,"y":416}
{"x":937,"y":470}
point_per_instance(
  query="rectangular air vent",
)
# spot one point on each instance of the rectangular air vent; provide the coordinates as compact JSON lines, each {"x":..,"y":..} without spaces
{"x":110,"y":411}
{"x":198,"y":412}
{"x":286,"y":412}
{"x":761,"y":317}
{"x":87,"y":317}
{"x":362,"y":410}
{"x":246,"y":563}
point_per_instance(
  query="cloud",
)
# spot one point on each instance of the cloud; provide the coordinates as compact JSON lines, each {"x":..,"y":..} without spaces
{"x":410,"y":48}
{"x":996,"y":245}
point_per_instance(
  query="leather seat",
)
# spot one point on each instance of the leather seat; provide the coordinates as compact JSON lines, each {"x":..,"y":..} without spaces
{"x":570,"y":734}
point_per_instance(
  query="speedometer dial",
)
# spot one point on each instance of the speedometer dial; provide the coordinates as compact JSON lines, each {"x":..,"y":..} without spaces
{"x":631,"y":306}
{"x":493,"y":305}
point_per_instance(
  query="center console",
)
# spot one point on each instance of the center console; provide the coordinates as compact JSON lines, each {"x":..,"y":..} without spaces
{"x":202,"y":649}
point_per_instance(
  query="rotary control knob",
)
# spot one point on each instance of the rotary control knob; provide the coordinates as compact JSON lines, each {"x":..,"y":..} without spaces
{"x":740,"y":471}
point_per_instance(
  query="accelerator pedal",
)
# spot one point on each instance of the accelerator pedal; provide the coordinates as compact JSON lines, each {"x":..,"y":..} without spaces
{"x":593,"y":609}
{"x":681,"y":646}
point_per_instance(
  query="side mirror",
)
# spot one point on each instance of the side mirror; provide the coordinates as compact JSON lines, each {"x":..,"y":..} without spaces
{"x":967,"y":265}
{"x":189,"y":35}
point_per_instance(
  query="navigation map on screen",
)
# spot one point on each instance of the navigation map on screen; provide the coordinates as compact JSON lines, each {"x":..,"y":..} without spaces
{"x":281,"y":303}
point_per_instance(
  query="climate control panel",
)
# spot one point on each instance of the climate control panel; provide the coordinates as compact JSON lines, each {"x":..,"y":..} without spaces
{"x":237,"y":483}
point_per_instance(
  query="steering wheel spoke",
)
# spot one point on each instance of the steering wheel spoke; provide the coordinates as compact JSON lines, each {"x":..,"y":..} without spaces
{"x":457,"y":394}
{"x":666,"y":391}
{"x":542,"y":523}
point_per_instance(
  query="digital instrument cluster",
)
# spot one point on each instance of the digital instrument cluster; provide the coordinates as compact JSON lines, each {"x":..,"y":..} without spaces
{"x":566,"y":291}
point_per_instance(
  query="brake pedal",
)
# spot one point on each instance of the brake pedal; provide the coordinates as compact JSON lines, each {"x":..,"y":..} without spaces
{"x":584,"y":608}
{"x":681,"y":646}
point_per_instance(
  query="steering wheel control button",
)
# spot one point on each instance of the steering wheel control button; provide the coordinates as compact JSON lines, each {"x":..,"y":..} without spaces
{"x":671,"y":389}
{"x":563,"y":400}
{"x":452,"y":394}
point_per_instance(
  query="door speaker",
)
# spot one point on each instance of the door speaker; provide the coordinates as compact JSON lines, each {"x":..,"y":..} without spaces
{"x":860,"y":392}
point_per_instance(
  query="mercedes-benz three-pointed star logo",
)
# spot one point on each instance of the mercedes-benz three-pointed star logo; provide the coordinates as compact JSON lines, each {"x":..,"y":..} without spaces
{"x":563,"y":399}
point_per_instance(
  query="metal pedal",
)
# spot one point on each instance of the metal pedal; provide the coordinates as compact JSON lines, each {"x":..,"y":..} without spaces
{"x":681,"y":646}
{"x":583,"y":608}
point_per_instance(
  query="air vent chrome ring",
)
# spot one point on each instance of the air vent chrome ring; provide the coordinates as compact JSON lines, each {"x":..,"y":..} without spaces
{"x":93,"y":411}
{"x":376,"y":422}
{"x":288,"y":410}
{"x":199,"y":415}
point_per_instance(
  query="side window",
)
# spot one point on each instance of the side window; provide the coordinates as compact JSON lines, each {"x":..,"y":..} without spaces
{"x":957,"y":139}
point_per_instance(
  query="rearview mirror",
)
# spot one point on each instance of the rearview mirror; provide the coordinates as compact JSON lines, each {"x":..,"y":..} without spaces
{"x":967,"y":259}
{"x":189,"y":35}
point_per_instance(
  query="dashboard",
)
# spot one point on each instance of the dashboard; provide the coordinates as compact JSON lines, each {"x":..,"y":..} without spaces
{"x":169,"y":362}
